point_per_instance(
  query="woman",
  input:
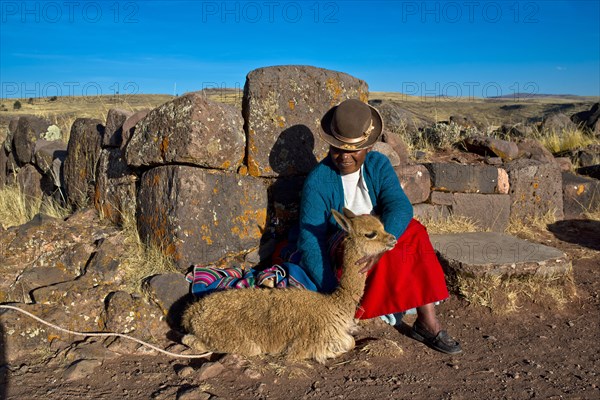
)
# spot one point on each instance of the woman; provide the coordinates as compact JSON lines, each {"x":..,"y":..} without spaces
{"x":408,"y":276}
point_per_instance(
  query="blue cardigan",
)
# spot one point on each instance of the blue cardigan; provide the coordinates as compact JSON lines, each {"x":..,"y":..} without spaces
{"x":323,"y":191}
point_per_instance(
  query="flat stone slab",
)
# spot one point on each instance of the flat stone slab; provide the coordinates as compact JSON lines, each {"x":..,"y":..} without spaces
{"x":492,"y":253}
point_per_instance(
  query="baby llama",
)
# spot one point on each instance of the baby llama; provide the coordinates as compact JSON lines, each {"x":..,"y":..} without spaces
{"x":300,"y":323}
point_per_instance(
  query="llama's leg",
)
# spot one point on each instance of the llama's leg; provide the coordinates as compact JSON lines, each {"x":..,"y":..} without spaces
{"x":193,"y":342}
{"x":322,"y":349}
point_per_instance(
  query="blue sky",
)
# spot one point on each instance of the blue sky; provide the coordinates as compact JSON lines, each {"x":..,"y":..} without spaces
{"x":469,"y":48}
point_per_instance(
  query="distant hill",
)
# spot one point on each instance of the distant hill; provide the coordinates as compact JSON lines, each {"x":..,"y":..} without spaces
{"x":525,"y":96}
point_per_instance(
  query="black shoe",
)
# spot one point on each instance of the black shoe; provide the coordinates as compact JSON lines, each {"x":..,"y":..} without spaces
{"x":441,"y":342}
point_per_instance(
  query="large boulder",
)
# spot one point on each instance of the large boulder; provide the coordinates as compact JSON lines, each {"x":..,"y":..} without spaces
{"x":388,"y":151}
{"x":488,"y":146}
{"x":580,"y":195}
{"x":80,"y":301}
{"x":189,"y":130}
{"x":61,"y":249}
{"x":535,"y":189}
{"x":25,"y":339}
{"x":129,"y":125}
{"x":401,"y":149}
{"x":113,"y":134}
{"x":480,"y":254}
{"x":453,"y":177}
{"x":198,"y":215}
{"x":489,"y":212}
{"x":29,"y":129}
{"x":588,"y":156}
{"x":106,"y":266}
{"x":11,"y":129}
{"x":115,"y":193}
{"x":83,"y":152}
{"x":415,"y":181}
{"x":587,"y":119}
{"x":282,"y":108}
{"x":400,"y":120}
{"x":557,"y":124}
{"x":518,"y":130}
{"x":167,"y":290}
{"x":46,"y":152}
{"x":534,"y":150}
{"x":128,"y":313}
{"x":32,"y":183}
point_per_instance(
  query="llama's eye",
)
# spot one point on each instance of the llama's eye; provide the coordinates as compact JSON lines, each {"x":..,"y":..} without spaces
{"x":371,"y":235}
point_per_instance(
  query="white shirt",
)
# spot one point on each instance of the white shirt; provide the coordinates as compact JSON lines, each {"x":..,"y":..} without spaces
{"x":356,"y":193}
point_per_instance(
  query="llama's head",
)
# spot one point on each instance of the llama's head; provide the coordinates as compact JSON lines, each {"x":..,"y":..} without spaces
{"x":366,"y":235}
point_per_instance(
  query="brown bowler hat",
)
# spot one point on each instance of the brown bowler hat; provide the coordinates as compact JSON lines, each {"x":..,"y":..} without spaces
{"x":351,"y":125}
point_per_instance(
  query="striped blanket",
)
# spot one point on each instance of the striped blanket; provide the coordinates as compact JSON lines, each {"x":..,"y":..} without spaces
{"x":208,"y":279}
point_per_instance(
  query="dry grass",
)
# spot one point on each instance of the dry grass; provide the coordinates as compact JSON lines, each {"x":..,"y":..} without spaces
{"x":142,"y":260}
{"x":450,"y":224}
{"x":557,"y":142}
{"x":383,"y":348}
{"x":530,"y":227}
{"x":502,"y":294}
{"x":16,"y":208}
{"x":593,"y":214}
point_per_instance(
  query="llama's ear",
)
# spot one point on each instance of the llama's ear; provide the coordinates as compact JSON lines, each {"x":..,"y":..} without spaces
{"x":348,"y":213}
{"x":343,"y":221}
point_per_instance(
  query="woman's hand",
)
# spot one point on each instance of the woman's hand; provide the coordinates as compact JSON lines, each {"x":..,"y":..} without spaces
{"x":368,"y":262}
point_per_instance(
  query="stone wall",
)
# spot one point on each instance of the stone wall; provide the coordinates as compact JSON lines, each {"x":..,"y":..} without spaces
{"x":207,"y":183}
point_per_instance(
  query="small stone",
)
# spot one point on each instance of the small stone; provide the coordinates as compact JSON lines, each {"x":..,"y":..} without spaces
{"x":419,"y":155}
{"x":233,"y":361}
{"x":194,"y":393}
{"x":571,"y":323}
{"x":210,"y":370}
{"x":185,"y":372}
{"x":80,"y":369}
{"x":252,"y":373}
{"x":490,"y":338}
{"x":493,"y":161}
{"x":122,"y":346}
{"x":176,"y":348}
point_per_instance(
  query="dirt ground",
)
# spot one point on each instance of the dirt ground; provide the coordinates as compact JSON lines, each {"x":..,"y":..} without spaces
{"x":538,"y":352}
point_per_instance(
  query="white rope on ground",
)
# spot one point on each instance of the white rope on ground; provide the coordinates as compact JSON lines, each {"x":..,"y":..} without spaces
{"x":105,"y":334}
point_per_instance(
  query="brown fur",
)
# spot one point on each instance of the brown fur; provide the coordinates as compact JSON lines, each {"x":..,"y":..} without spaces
{"x":301,"y":323}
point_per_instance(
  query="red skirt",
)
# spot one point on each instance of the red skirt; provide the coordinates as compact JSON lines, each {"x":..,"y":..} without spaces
{"x":407,"y":276}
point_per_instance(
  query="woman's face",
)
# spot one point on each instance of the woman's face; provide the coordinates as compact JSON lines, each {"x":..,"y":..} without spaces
{"x":346,"y":161}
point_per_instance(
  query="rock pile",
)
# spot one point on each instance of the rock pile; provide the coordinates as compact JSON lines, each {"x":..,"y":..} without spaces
{"x":210,"y":185}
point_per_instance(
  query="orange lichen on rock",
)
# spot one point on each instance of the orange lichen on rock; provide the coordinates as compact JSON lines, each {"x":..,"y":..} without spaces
{"x":164,"y":146}
{"x":226,"y":165}
{"x":362,"y":96}
{"x":205,"y":233}
{"x":335,"y":90}
{"x":250,"y":224}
